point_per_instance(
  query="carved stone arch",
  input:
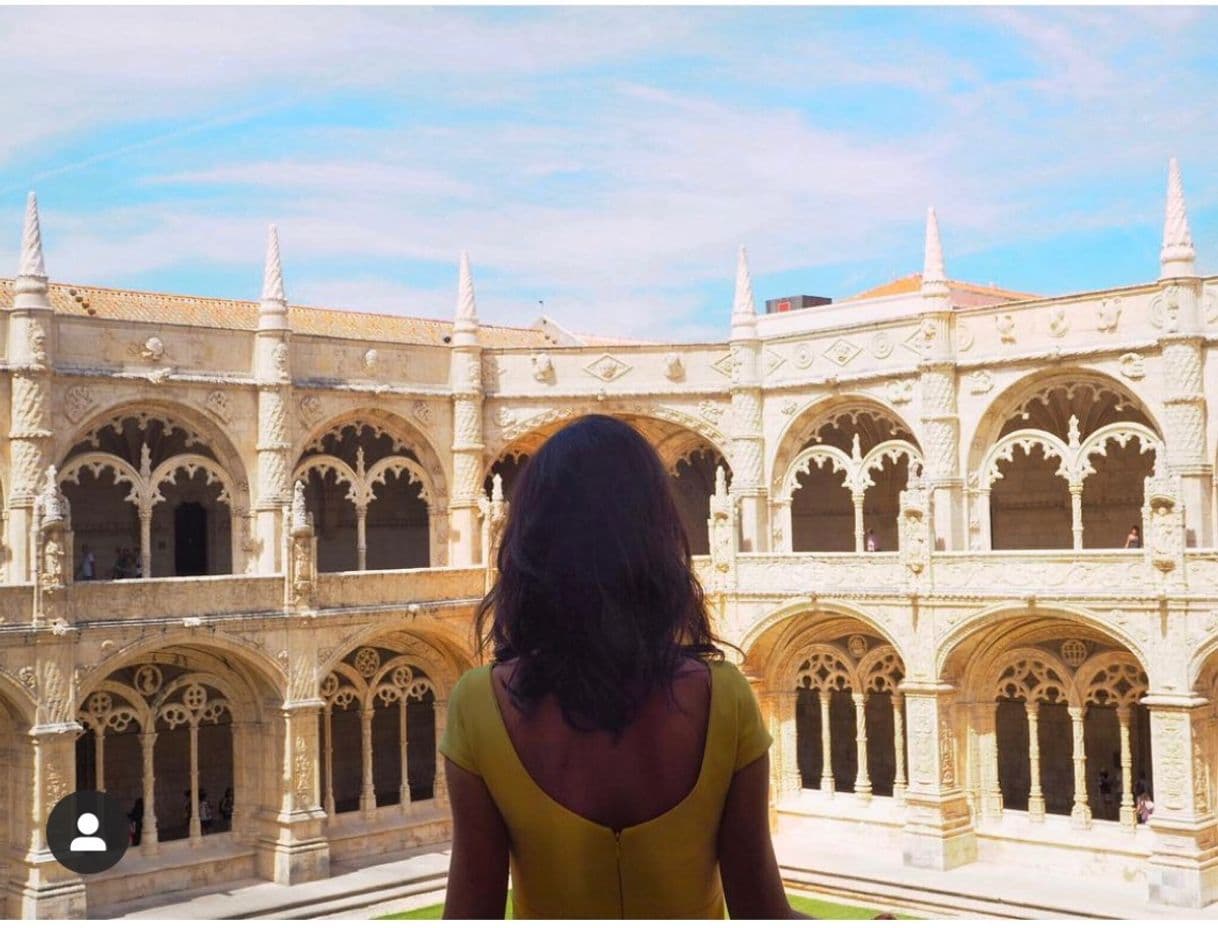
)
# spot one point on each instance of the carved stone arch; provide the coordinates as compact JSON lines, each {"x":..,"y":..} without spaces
{"x":1006,"y":619}
{"x":178,"y":413}
{"x":1203,"y":666}
{"x":253,"y":666}
{"x":99,"y":462}
{"x":398,"y":465}
{"x":1111,"y":678}
{"x":824,"y":668}
{"x":323,"y":464}
{"x":880,"y":670}
{"x":117,"y":688}
{"x":18,"y":701}
{"x":814,"y":414}
{"x":425,"y":646}
{"x":1013,"y":400}
{"x":1031,"y":675}
{"x":516,"y":434}
{"x":167,"y":471}
{"x":816,"y":456}
{"x":221,"y":683}
{"x":1027,"y":439}
{"x":781,"y":626}
{"x":1120,"y":433}
{"x":890,"y":451}
{"x":393,"y":424}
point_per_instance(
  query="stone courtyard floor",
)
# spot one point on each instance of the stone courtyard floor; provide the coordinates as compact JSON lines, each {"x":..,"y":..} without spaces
{"x":851,"y":878}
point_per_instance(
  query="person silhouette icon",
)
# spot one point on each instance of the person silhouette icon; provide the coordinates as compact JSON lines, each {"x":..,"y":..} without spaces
{"x":88,"y":840}
{"x":88,"y":831}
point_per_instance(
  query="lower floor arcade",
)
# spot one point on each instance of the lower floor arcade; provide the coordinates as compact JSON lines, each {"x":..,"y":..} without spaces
{"x":1043,"y":744}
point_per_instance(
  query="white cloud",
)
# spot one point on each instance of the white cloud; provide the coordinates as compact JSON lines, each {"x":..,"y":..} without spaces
{"x":618,"y":198}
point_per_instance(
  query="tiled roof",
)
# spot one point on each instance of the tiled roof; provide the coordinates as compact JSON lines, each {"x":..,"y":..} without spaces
{"x":961,"y":291}
{"x":143,"y":306}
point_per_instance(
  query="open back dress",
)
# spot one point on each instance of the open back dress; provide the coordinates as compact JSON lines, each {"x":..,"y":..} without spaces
{"x":565,"y":865}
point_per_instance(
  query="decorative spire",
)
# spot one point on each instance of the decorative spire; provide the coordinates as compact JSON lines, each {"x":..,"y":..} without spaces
{"x":934,"y":274}
{"x":744,"y":308}
{"x":1177,"y":257}
{"x":465,"y":326}
{"x":720,"y":481}
{"x":273,"y":313}
{"x":30,"y":287}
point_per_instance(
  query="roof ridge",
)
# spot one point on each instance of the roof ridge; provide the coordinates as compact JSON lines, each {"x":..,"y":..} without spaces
{"x":253,"y":304}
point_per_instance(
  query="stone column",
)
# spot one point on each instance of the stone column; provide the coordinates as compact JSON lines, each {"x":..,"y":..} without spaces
{"x":859,"y":534}
{"x":99,"y":757}
{"x":941,"y":425}
{"x":826,"y":744}
{"x":145,"y":512}
{"x":983,"y":540}
{"x":899,"y":782}
{"x":361,"y":537}
{"x":367,"y":795}
{"x":404,"y":791}
{"x":329,"y":723}
{"x":862,"y":780}
{"x":985,"y":723}
{"x":785,"y":755}
{"x":292,"y":848}
{"x":1183,"y":866}
{"x":1128,"y":818}
{"x":196,"y":827}
{"x":1076,"y":515}
{"x":938,"y":827}
{"x":1177,"y":311}
{"x":39,"y":887}
{"x":148,"y":835}
{"x":440,"y":790}
{"x":1036,"y":799}
{"x":784,"y":541}
{"x":745,"y":427}
{"x":1080,"y":812}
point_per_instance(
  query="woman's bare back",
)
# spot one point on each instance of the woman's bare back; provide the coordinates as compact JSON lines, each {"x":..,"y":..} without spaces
{"x":650,"y":770}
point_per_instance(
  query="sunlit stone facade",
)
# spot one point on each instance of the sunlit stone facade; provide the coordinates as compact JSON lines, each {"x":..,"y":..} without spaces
{"x":288,"y":512}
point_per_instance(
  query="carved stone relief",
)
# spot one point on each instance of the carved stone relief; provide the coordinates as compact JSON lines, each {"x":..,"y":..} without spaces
{"x":78,"y":400}
{"x":1109,"y":312}
{"x":1005,"y":323}
{"x":218,"y":404}
{"x":980,"y":382}
{"x":1132,"y":366}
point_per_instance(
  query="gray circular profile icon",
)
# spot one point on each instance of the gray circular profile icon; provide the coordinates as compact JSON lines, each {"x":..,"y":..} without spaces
{"x":87,"y":831}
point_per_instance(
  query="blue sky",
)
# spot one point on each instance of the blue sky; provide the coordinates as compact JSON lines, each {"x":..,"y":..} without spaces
{"x":605,"y":160}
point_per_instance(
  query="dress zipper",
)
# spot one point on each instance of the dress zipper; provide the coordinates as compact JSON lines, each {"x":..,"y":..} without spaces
{"x":621,"y":896}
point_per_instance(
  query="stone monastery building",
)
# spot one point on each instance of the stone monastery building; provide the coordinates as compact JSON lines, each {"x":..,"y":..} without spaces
{"x":288,"y":514}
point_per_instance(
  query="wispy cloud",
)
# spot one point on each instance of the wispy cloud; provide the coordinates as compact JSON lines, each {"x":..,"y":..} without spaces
{"x":607,"y":161}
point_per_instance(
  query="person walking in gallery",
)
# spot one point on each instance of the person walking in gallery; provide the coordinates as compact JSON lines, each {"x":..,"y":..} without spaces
{"x":873,"y":542}
{"x":88,"y":564}
{"x":1144,"y":807}
{"x":1134,"y":538}
{"x":136,"y":819}
{"x":608,"y":756}
{"x":206,"y":815}
{"x":1104,"y":785}
{"x":226,"y":808}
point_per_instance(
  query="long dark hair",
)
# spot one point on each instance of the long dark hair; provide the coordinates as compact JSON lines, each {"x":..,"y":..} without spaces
{"x":596,"y":597}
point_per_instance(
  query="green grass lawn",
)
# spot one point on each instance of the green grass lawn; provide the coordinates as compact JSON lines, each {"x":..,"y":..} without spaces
{"x":814,"y":907}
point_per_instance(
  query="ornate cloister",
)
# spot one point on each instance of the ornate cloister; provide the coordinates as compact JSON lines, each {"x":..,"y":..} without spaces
{"x":968,"y":554}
